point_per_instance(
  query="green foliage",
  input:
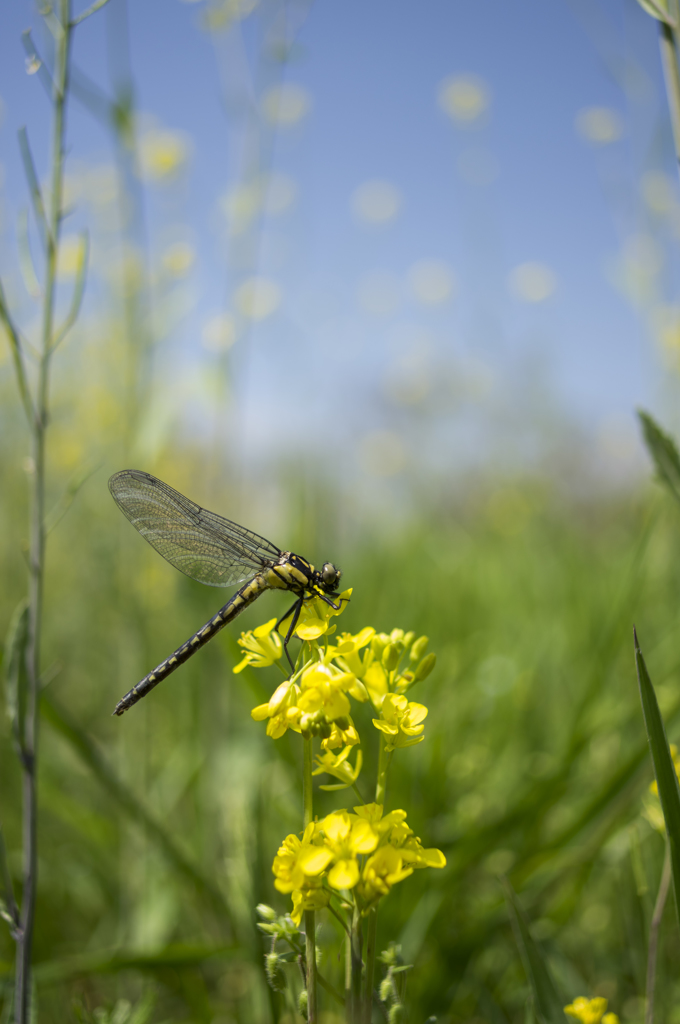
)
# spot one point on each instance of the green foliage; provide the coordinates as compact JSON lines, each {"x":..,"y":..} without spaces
{"x":664,"y":769}
{"x":664,"y":453}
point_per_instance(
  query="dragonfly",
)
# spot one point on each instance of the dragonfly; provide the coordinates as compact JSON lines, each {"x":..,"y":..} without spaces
{"x":219,"y":553}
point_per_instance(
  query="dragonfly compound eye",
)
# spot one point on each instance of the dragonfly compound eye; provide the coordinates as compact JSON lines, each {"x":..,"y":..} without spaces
{"x":330,"y":575}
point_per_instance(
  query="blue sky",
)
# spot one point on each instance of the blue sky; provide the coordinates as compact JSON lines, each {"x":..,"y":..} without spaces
{"x":351,"y":356}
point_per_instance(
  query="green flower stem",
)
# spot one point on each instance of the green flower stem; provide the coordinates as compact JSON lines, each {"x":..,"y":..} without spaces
{"x":355,"y":1008}
{"x":370,"y":964}
{"x":384,"y":759}
{"x":310,"y":923}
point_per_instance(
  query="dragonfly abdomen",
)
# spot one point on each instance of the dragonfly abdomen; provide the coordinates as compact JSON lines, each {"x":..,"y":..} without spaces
{"x":241,"y":599}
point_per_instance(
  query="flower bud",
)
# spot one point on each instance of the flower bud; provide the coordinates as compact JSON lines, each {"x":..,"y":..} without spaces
{"x":385,"y":989}
{"x":268,"y":913}
{"x":378,"y":643}
{"x":342,"y":722}
{"x":427,"y":664}
{"x":396,"y":634}
{"x":390,"y":657}
{"x":418,"y":649}
{"x":302,"y":1003}
{"x":408,"y":639}
{"x":274,"y":972}
{"x":395,"y":1013}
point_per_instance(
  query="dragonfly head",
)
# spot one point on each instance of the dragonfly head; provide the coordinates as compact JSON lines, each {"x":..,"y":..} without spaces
{"x":330,"y":577}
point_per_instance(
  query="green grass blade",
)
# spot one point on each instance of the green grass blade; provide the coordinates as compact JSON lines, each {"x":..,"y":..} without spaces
{"x":664,"y":769}
{"x":88,"y":751}
{"x":548,"y":1006}
{"x":664,"y":453}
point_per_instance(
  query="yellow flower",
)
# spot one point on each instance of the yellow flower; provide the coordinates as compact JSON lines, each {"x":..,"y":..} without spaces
{"x":347,"y":650}
{"x":322,"y":690}
{"x":591,"y":1011}
{"x":346,"y":840}
{"x":281,"y":710}
{"x":338,"y":765}
{"x":312,"y":897}
{"x":347,"y":736}
{"x":262,"y":646}
{"x":652,"y":805}
{"x":380,"y":872}
{"x":298,"y":861}
{"x":400,"y":721}
{"x":315,"y":616}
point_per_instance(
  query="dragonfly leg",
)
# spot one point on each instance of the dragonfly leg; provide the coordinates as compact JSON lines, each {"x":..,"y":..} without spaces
{"x":326,"y":598}
{"x":296,"y":615}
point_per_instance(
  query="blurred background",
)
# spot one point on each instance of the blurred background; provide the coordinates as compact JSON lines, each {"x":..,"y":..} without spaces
{"x":385,"y":282}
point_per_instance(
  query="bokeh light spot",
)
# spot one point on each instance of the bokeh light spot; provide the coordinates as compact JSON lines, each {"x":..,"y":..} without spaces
{"x":464,"y":98}
{"x":257,"y":298}
{"x":219,"y":333}
{"x":382,"y":454}
{"x":71,"y":255}
{"x":286,"y":104}
{"x":432,"y":282}
{"x":599,"y":125}
{"x":532,"y":282}
{"x":659,"y":192}
{"x":179,"y":258}
{"x":162,"y":153}
{"x":376,"y":202}
{"x":378,"y":293}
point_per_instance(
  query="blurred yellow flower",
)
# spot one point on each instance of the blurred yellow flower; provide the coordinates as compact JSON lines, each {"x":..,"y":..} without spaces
{"x":286,"y":104}
{"x":591,"y":1011}
{"x":431,"y":282}
{"x":281,"y":710}
{"x":599,"y":125}
{"x":162,"y":153}
{"x":71,"y":255}
{"x":219,"y":333}
{"x":257,"y":298}
{"x":464,"y":98}
{"x":532,"y":282}
{"x":376,"y":202}
{"x":179,"y":258}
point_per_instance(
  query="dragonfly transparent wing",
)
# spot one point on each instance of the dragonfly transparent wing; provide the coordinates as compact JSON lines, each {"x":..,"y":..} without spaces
{"x":199,"y":543}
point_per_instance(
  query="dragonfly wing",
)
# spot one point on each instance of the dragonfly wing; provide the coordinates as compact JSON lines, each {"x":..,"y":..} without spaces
{"x":199,"y":543}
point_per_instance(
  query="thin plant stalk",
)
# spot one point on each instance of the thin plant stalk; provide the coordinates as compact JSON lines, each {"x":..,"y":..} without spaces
{"x":671,"y":74}
{"x":36,"y":555}
{"x":659,"y":906}
{"x":371,"y":940}
{"x":310,"y":917}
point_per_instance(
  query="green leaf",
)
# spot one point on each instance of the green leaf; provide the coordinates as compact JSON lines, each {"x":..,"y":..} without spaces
{"x":663,"y":451}
{"x":548,"y":1006}
{"x":664,"y":769}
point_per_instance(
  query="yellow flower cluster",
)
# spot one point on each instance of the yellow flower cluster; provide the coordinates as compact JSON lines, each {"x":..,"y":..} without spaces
{"x":315,"y":700}
{"x":591,"y":1011}
{"x":363,"y":851}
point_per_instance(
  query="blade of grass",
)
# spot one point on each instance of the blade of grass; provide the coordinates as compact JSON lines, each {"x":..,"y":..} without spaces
{"x":88,"y":751}
{"x":663,"y":451}
{"x":548,"y":1006}
{"x":664,"y":769}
